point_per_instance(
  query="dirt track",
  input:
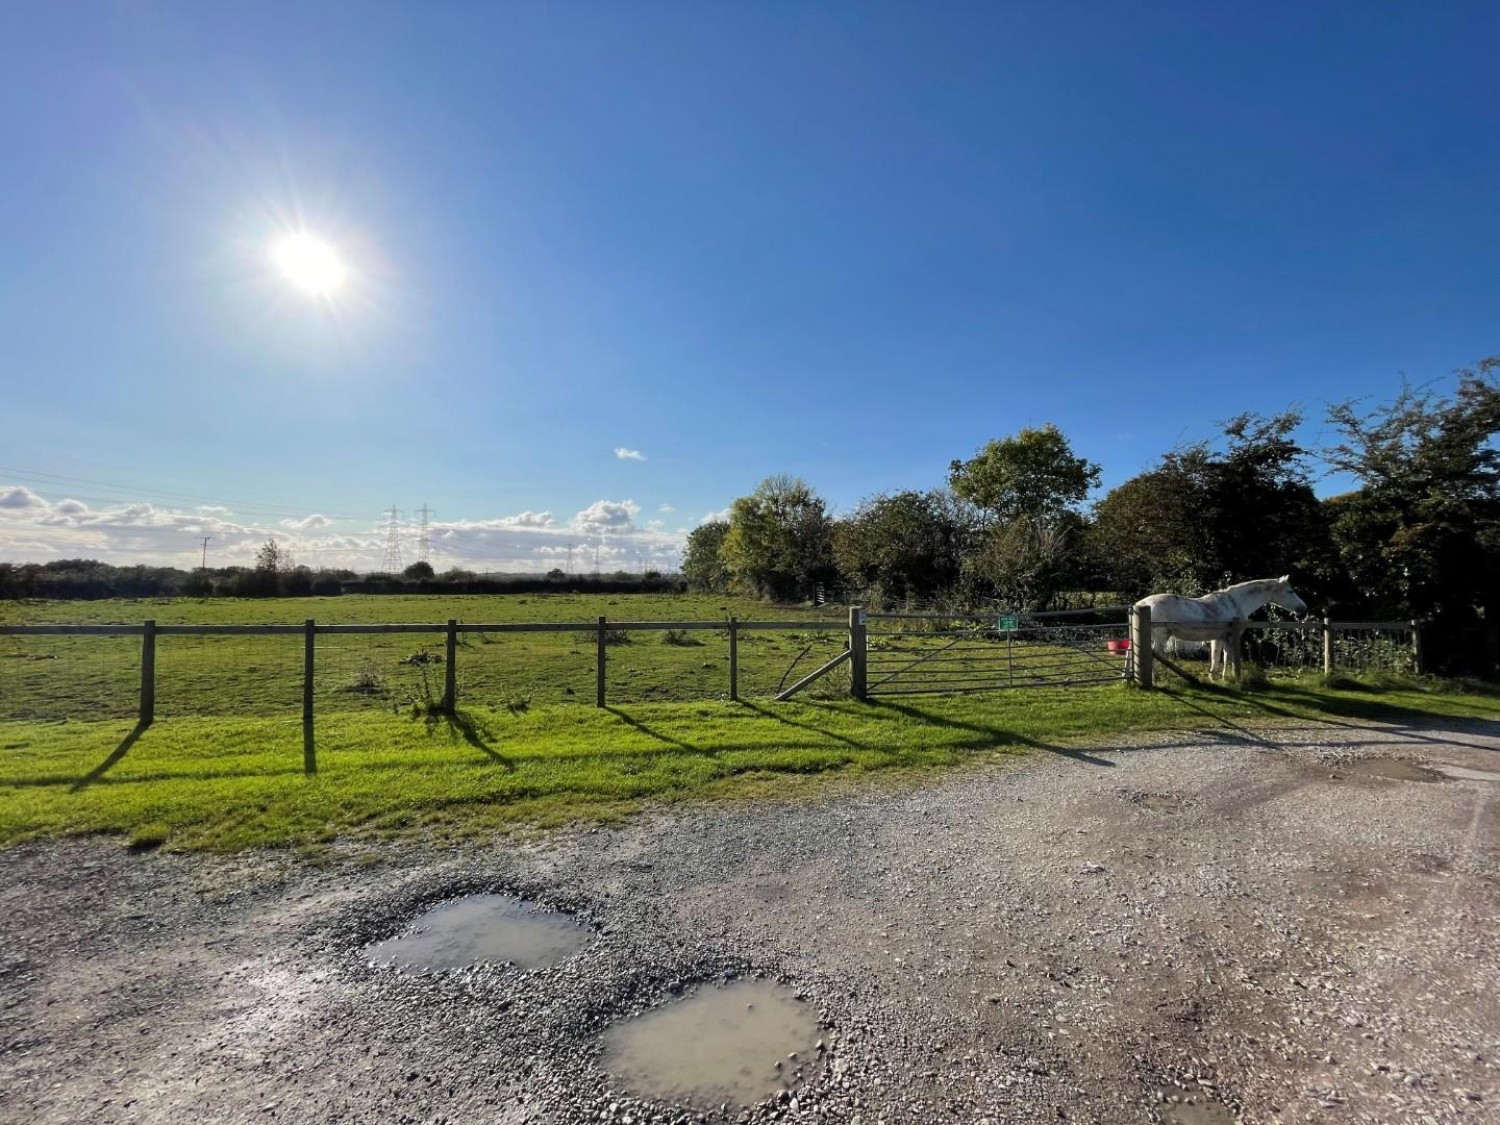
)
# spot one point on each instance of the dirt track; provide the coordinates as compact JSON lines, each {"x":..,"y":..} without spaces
{"x":1289,"y":927}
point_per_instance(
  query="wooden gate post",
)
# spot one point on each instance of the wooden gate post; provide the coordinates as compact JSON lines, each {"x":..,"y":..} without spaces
{"x":1142,"y":659}
{"x":599,"y":669}
{"x":734,"y":659}
{"x":1416,"y":647}
{"x":309,"y":754}
{"x":857,"y":638}
{"x":450,"y":669}
{"x":148,"y":674}
{"x":1327,"y":646}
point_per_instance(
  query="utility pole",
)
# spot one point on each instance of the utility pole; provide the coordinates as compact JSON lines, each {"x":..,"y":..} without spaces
{"x":424,"y":543}
{"x":206,"y":540}
{"x":392,"y":564}
{"x":570,"y":558}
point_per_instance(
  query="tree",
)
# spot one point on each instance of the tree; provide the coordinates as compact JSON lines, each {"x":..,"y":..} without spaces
{"x":1205,"y":517}
{"x":1024,"y":563}
{"x":1421,"y":534}
{"x":419,"y":570}
{"x":702,"y":565}
{"x":1030,"y":485}
{"x":263,"y":579}
{"x":1033,"y":475}
{"x":780,"y":543}
{"x":904,"y":545}
{"x":270,"y":558}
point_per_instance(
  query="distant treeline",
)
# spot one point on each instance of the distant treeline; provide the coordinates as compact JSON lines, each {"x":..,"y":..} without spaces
{"x":87,"y":579}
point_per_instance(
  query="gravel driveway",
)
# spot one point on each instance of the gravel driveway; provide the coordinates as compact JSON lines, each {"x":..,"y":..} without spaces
{"x":1274,"y":927}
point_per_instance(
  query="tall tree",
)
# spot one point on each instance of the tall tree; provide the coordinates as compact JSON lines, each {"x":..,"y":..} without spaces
{"x":1029,"y":486}
{"x":1421,"y":534}
{"x":780,"y":543}
{"x":907,"y":544}
{"x":702,"y":564}
{"x":1206,"y":517}
{"x":1033,"y":475}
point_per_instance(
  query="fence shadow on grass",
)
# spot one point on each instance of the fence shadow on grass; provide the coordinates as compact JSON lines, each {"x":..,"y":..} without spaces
{"x":652,"y":732}
{"x":114,"y":757}
{"x":990,"y":735}
{"x":463,"y":724}
{"x":770,"y":714}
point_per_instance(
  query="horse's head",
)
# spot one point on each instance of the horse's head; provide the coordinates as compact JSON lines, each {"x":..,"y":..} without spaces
{"x":1286,"y":597}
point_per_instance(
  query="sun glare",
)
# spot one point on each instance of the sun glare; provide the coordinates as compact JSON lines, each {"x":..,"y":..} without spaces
{"x":310,"y":264}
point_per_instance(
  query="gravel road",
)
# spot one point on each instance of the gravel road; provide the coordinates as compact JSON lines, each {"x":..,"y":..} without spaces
{"x":1281,"y":926}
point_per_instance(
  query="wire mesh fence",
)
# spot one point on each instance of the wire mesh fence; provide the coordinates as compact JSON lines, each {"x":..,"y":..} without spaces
{"x":47,"y":678}
{"x":98,"y":672}
{"x":1385,"y":647}
{"x":255,"y":676}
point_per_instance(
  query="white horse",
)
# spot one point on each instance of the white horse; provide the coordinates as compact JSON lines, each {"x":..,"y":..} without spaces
{"x":1217,"y":617}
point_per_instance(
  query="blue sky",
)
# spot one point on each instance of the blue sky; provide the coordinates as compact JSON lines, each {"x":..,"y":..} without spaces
{"x":845,"y":241}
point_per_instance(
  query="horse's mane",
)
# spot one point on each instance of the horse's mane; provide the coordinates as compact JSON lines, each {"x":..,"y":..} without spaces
{"x":1252,"y":584}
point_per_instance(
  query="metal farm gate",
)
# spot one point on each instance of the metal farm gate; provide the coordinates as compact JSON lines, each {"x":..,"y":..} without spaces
{"x":911,"y":654}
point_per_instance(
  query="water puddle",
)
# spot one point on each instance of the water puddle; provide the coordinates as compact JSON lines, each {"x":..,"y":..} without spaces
{"x":479,"y":929}
{"x":1464,"y":773}
{"x":1392,"y":768}
{"x":1184,"y":1107}
{"x":738,"y":1043}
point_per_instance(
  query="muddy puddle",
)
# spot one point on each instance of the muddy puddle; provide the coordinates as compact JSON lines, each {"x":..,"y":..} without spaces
{"x":481,"y":929}
{"x":737,"y":1043}
{"x":1393,"y":769}
{"x":1186,"y":1107}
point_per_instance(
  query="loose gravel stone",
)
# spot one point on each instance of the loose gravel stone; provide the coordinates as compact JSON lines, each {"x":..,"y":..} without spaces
{"x":1288,"y":925}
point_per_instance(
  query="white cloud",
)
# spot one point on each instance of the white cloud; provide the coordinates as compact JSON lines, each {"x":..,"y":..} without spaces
{"x":18,"y":498}
{"x":721,"y":516}
{"x":607,"y":516}
{"x":529,"y":519}
{"x":629,"y":454}
{"x":666,"y":509}
{"x":35,"y":529}
{"x":307,"y":523}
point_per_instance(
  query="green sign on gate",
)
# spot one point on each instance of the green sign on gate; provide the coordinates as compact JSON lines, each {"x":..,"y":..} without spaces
{"x":1009,"y":623}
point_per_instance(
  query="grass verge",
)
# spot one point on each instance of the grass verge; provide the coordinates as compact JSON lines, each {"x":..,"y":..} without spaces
{"x":223,"y":784}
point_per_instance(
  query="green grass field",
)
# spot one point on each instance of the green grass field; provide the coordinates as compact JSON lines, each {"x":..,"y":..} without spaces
{"x":223,"y":766}
{"x":98,"y":677}
{"x":219,"y":783}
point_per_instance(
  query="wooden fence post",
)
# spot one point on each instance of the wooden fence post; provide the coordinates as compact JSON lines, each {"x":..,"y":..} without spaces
{"x":1416,"y":647}
{"x":734,"y":659}
{"x":309,"y":754}
{"x":1327,"y":646}
{"x":450,"y":669}
{"x":1142,"y":660}
{"x":148,"y":674}
{"x":599,"y":670}
{"x":857,"y":639}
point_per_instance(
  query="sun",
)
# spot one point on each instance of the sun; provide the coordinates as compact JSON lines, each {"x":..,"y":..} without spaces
{"x":310,"y":264}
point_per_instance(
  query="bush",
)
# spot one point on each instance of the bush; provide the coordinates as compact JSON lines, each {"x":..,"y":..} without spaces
{"x":678,"y":637}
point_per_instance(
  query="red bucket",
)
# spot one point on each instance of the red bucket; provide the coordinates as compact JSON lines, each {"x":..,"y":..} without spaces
{"x":1117,"y":646}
